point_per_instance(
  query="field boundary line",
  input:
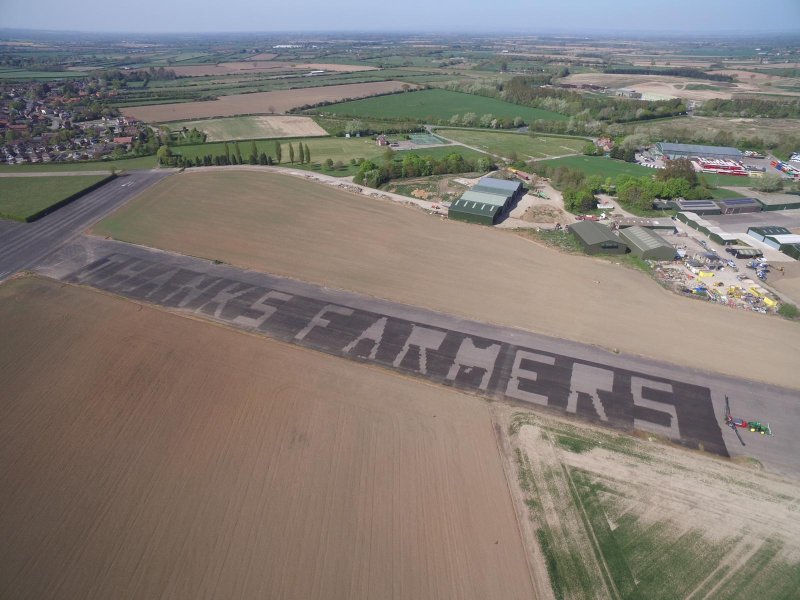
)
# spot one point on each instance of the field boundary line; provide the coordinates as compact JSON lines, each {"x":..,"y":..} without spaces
{"x":532,"y":554}
{"x":598,"y":552}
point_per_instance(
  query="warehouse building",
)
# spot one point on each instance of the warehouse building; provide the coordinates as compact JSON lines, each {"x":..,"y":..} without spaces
{"x":647,"y":244}
{"x":489,"y":184}
{"x":734,"y":206}
{"x":673,"y":151}
{"x":475,"y":212}
{"x":778,"y":201}
{"x":698,"y":207}
{"x":597,"y":239}
{"x":764,"y":234}
{"x":665,"y":224}
{"x":792,"y":250}
{"x":722,"y":237}
{"x":503,"y":201}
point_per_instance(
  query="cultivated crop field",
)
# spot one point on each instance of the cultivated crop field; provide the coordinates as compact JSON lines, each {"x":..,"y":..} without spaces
{"x":288,"y":226}
{"x":600,"y":165}
{"x":140,"y":162}
{"x":618,"y":517}
{"x":262,"y":66}
{"x":434,"y":105}
{"x":254,"y":127}
{"x":259,"y":102}
{"x":524,"y":146}
{"x":149,"y":455}
{"x":23,"y":197}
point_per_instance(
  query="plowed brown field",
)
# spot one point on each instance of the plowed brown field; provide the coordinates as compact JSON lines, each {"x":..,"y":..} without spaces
{"x":148,"y":455}
{"x":259,"y":102}
{"x":287,"y":226}
{"x":263,"y":66}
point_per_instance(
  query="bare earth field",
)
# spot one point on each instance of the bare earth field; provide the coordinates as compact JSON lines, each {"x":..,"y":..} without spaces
{"x":255,"y":127}
{"x":287,"y":226}
{"x":149,"y":455}
{"x":263,"y":66}
{"x":672,"y":87}
{"x":259,"y":102}
{"x":770,"y":130}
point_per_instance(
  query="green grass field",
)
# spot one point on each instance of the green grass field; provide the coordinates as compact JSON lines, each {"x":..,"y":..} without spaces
{"x":129,"y":164}
{"x":22,"y":197}
{"x":721,"y":194}
{"x":599,"y":165}
{"x":506,"y":143}
{"x":435,"y":105}
{"x":252,"y":127}
{"x":599,"y":537}
{"x":321,"y":149}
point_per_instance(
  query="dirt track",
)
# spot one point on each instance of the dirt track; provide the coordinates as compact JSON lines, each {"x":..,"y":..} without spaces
{"x":147,"y":455}
{"x":283,"y":225}
{"x":258,"y":102}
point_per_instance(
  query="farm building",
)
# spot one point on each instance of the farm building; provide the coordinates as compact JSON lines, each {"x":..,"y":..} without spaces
{"x":597,"y":239}
{"x":514,"y":188}
{"x":792,"y":250}
{"x":733,"y":206}
{"x":699,"y":207}
{"x":722,"y":237}
{"x":647,"y":244}
{"x":474,"y":212}
{"x":673,"y":151}
{"x":503,"y":201}
{"x":778,"y":201}
{"x":665,"y":224}
{"x":768,"y":231}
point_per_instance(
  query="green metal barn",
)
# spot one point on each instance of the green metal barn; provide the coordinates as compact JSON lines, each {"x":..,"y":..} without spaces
{"x":647,"y":244}
{"x":475,"y":212}
{"x":597,"y":239}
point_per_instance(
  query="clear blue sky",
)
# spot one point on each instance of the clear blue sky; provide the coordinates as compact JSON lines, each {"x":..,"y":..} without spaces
{"x":533,"y":16}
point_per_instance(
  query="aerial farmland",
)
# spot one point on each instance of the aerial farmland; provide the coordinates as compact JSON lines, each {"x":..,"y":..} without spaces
{"x":252,"y":350}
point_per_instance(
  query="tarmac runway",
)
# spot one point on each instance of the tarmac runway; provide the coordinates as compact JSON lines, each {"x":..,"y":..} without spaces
{"x":24,"y":244}
{"x":500,"y":363}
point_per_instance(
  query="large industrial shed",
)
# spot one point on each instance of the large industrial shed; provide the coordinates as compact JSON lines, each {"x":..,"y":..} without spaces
{"x":792,"y":250}
{"x":698,"y":207}
{"x":474,"y":212}
{"x":673,"y":151}
{"x":503,"y":201}
{"x":503,"y":186}
{"x":647,"y":244}
{"x":762,"y":234}
{"x":734,"y":206}
{"x":779,"y":201}
{"x":597,"y":239}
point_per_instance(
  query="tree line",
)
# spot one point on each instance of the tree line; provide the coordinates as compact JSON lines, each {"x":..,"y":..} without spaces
{"x":788,"y":108}
{"x":374,"y":175}
{"x":670,"y":72}
{"x":232,"y":155}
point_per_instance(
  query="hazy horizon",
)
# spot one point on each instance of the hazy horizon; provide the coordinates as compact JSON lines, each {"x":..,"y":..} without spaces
{"x":575,"y":17}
